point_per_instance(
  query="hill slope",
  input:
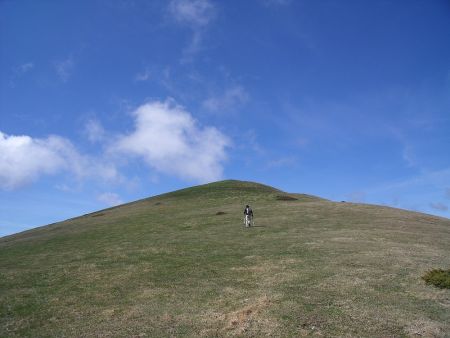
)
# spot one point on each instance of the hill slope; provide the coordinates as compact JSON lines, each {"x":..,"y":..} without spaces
{"x":170,"y":266}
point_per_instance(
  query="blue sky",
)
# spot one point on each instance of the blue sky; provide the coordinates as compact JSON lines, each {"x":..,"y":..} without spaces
{"x":104,"y":102}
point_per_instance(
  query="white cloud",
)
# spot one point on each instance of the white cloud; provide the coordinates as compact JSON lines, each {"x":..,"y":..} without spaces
{"x":24,"y":159}
{"x":170,"y":141}
{"x":197,"y":13}
{"x":64,"y":68}
{"x":94,"y":130}
{"x":110,"y":199}
{"x":165,"y":136}
{"x":230,"y":99}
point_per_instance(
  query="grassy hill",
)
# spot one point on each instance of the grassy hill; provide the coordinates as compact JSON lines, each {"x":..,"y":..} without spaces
{"x":183,"y":264}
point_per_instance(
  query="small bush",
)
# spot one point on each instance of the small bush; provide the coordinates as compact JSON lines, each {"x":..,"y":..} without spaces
{"x":98,"y":215}
{"x":286,"y":198}
{"x":438,"y":277}
{"x":220,"y":213}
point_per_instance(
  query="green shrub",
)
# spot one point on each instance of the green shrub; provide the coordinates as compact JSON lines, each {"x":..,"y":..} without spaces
{"x":438,"y":277}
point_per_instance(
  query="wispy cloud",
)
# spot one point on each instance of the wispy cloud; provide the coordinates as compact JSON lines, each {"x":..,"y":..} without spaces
{"x":196,"y":15}
{"x":26,"y":67}
{"x":94,"y":130}
{"x":169,"y":140}
{"x":252,"y":143}
{"x":408,"y":154}
{"x":228,"y":100}
{"x":19,"y":71}
{"x":416,"y":191}
{"x":276,"y":2}
{"x":287,"y":161}
{"x":437,"y":179}
{"x":64,"y":68}
{"x":142,"y":76}
{"x":194,"y":47}
{"x":110,"y":199}
{"x":356,"y":196}
{"x":439,"y":206}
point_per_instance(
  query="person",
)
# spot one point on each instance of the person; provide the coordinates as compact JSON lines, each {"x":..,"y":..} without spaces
{"x":248,"y":216}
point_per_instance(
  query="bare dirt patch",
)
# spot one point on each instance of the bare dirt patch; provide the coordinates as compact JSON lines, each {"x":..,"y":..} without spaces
{"x":241,"y":320}
{"x":423,"y":328}
{"x":251,"y":319}
{"x":286,"y":198}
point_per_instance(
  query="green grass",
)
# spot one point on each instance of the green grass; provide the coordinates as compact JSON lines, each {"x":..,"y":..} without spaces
{"x":438,"y":277}
{"x":172,"y":266}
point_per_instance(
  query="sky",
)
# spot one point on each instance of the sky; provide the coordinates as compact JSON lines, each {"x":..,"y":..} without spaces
{"x":103,"y":102}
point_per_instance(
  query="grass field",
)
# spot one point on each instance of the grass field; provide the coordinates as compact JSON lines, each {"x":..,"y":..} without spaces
{"x":171,"y":266}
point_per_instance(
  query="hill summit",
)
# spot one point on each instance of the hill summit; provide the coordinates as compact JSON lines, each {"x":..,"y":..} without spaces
{"x":182,"y":264}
